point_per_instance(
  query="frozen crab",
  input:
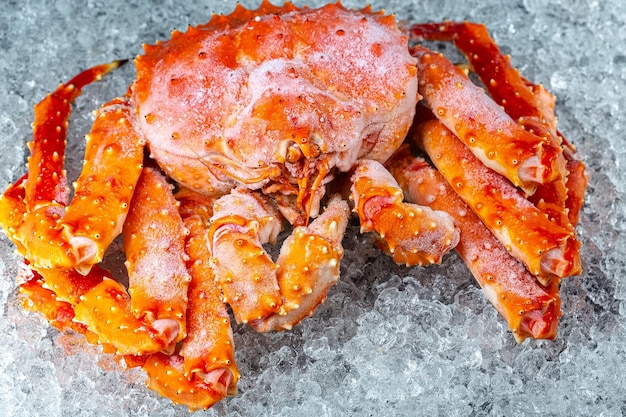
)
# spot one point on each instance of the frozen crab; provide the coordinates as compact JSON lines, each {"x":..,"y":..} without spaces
{"x":277,"y":116}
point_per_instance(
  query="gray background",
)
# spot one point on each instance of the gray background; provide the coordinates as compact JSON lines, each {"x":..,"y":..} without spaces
{"x":389,"y":340}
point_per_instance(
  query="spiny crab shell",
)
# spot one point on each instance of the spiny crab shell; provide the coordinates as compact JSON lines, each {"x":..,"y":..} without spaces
{"x":263,"y":100}
{"x":277,"y":114}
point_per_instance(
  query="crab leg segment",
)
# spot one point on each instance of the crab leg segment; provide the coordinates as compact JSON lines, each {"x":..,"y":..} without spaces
{"x":576,"y":182}
{"x":208,"y":349}
{"x":12,"y":209}
{"x":59,"y":313}
{"x":154,"y":319}
{"x":546,"y":249}
{"x":241,"y":224}
{"x":497,"y":140}
{"x":204,"y":370}
{"x":308,"y":266}
{"x":507,"y":87}
{"x":47,"y":184}
{"x":414,"y":235}
{"x":94,"y":305}
{"x":167,"y":376}
{"x":42,"y":235}
{"x":531,"y":105}
{"x":529,"y":309}
{"x":106,"y":311}
{"x":57,"y":302}
{"x":154,"y":242}
{"x":113,"y":163}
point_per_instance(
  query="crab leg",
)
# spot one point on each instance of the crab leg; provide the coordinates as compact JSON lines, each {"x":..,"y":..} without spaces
{"x":529,"y":309}
{"x":209,"y":343}
{"x":154,"y":318}
{"x":50,"y":237}
{"x":113,"y":163}
{"x":47,"y":183}
{"x":155,"y":251}
{"x":308,"y":266}
{"x":545,"y":248}
{"x":497,"y":140}
{"x":414,"y":235}
{"x":576,"y":182}
{"x":241,"y":224}
{"x":521,"y":99}
{"x":531,"y":105}
{"x":59,"y":314}
{"x":12,"y":209}
{"x":204,"y":371}
{"x":88,"y":300}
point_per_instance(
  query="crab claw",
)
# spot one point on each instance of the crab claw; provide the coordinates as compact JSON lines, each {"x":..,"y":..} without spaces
{"x":308,"y":266}
{"x":414,"y":235}
{"x":242,"y":222}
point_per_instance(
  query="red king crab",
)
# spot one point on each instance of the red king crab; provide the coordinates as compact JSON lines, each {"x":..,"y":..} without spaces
{"x":288,"y":115}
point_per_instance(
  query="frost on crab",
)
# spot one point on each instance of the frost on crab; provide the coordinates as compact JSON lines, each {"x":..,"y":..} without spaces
{"x":285,"y":115}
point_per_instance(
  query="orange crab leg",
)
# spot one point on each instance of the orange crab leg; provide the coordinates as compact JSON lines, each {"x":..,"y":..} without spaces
{"x":167,"y":376}
{"x":506,"y":86}
{"x":577,"y":181}
{"x":147,"y":323}
{"x":497,"y":140}
{"x":154,"y":243}
{"x":241,"y":224}
{"x":47,"y":183}
{"x":59,"y":314}
{"x":531,"y":105}
{"x":60,"y":293}
{"x":40,"y":292}
{"x":12,"y":209}
{"x":113,"y":163}
{"x":106,"y":311}
{"x":308,"y":266}
{"x":208,"y":349}
{"x":85,"y":303}
{"x":545,"y":248}
{"x":529,"y":309}
{"x":413,"y":234}
{"x":44,"y":238}
{"x":204,"y":371}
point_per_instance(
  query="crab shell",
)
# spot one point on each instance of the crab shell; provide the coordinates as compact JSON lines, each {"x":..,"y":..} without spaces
{"x":254,"y":98}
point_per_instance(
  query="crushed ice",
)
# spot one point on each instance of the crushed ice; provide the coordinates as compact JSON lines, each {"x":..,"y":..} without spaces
{"x":389,"y":340}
